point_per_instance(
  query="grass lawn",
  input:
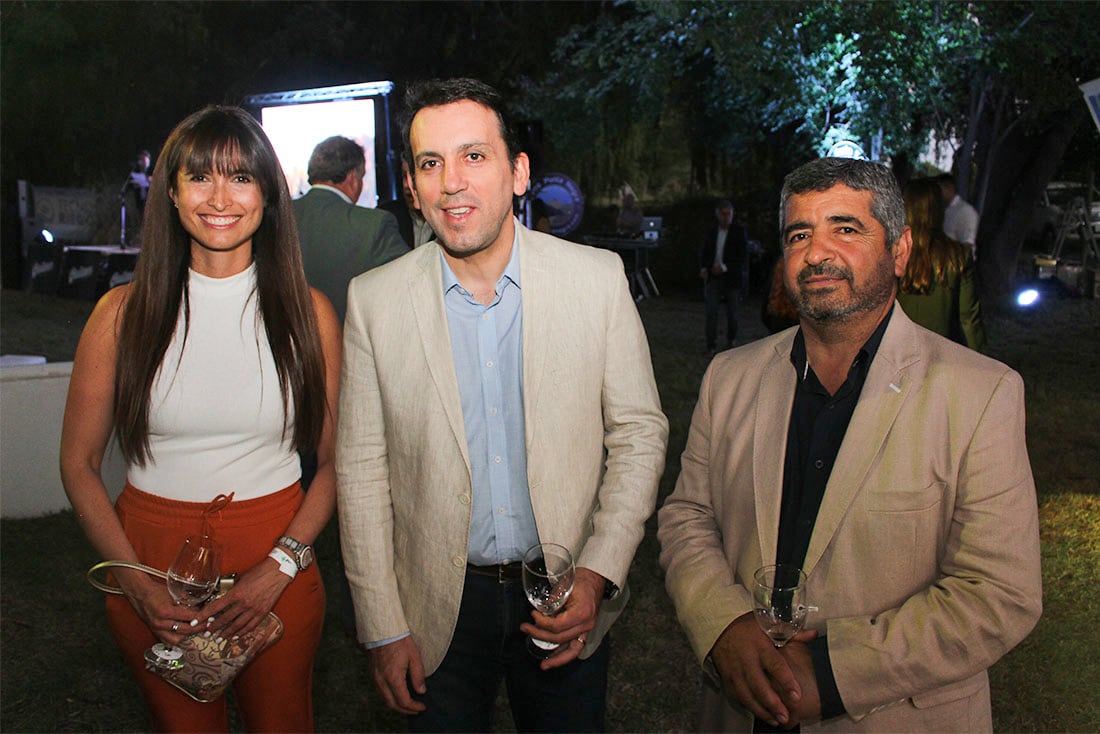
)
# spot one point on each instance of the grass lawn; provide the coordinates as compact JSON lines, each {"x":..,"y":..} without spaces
{"x":60,"y":671}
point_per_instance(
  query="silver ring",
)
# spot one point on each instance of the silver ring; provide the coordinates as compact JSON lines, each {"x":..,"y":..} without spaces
{"x":580,"y":640}
{"x":175,"y":626}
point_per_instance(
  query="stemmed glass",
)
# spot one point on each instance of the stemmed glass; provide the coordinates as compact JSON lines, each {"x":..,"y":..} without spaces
{"x":779,"y":603}
{"x":548,"y":576}
{"x":192,"y":579}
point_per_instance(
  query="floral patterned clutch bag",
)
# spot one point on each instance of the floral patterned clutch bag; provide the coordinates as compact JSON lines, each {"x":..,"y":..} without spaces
{"x":207,"y":665}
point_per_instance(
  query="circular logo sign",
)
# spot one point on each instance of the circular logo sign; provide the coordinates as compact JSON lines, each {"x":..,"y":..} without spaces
{"x":563,"y":201}
{"x":847,"y":149}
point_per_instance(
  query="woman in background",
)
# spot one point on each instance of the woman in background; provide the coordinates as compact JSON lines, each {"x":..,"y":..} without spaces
{"x":938,"y":290}
{"x":213,"y":367}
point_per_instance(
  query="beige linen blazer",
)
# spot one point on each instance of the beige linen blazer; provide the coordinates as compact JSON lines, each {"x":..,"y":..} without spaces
{"x":924,"y":559}
{"x":595,"y":434}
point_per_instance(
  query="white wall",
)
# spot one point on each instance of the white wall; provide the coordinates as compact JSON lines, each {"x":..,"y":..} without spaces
{"x":32,"y":404}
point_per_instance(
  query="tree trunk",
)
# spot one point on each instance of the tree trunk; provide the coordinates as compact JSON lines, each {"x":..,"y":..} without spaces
{"x":1018,"y":172}
{"x":979,"y":92}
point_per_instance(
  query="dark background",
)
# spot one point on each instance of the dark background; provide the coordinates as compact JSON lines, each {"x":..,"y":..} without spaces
{"x":85,"y":85}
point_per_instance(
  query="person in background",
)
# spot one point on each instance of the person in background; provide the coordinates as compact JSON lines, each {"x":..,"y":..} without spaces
{"x":498,"y":393}
{"x":133,"y":195}
{"x":211,"y":368}
{"x":139,"y":177}
{"x":339,"y":239}
{"x":410,"y":222}
{"x":777,"y":310}
{"x":960,"y":219}
{"x":938,"y":290}
{"x":884,"y":461}
{"x":540,"y":216}
{"x":630,"y":218}
{"x":722,"y":260}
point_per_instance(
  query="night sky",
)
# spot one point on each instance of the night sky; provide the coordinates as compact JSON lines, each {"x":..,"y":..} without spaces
{"x":85,"y":85}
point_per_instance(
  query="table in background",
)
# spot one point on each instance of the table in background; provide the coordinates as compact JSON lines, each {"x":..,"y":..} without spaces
{"x":641,"y":280}
{"x":89,"y":271}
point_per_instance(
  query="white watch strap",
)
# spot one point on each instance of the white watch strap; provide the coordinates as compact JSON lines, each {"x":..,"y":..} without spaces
{"x":286,"y":562}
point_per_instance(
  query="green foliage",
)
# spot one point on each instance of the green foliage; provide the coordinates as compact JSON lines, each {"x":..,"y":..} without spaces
{"x":739,"y":73}
{"x":729,"y":76}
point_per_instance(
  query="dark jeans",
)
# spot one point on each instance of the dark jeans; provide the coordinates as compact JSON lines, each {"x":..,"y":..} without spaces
{"x":487,"y":647}
{"x":716,"y":288}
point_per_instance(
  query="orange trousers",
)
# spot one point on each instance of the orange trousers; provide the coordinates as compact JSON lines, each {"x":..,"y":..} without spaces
{"x":275,"y":692}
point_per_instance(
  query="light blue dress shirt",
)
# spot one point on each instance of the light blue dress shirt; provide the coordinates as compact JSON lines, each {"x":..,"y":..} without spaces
{"x":487,"y":344}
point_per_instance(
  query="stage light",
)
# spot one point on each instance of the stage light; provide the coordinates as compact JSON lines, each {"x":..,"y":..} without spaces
{"x":1027,"y":297}
{"x":47,"y":236}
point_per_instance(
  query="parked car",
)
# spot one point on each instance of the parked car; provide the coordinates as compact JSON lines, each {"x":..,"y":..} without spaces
{"x":1052,"y":208}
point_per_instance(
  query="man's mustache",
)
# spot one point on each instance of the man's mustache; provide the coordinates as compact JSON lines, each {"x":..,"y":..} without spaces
{"x":823,"y":269}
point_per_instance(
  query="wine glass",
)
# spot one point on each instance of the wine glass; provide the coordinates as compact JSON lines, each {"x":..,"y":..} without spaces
{"x":192,"y":579}
{"x":779,"y":604}
{"x":548,"y":576}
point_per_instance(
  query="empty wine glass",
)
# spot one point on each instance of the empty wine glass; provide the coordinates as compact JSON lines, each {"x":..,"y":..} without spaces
{"x":548,"y":576}
{"x":192,"y":579}
{"x":779,"y":604}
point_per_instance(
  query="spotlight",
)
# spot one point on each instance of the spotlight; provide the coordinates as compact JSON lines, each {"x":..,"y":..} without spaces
{"x":1032,"y":294}
{"x":47,"y":236}
{"x":1027,"y":297}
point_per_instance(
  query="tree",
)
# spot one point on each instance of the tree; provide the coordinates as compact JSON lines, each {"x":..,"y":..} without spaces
{"x":799,"y":76}
{"x":1025,"y":110}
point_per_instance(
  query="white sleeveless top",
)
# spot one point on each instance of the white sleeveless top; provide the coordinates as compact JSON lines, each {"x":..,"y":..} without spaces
{"x":215,"y":411}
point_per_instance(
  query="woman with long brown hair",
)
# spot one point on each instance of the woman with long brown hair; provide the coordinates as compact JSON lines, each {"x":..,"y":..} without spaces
{"x":938,"y":290}
{"x":213,"y":367}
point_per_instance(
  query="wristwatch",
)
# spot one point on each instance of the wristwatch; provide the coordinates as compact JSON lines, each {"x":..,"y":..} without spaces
{"x":303,"y":554}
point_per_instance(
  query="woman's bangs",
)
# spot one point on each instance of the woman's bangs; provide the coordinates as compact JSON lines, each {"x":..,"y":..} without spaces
{"x":220,"y":144}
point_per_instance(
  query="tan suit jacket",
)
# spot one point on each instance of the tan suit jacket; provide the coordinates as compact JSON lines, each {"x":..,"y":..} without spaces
{"x":595,"y":434}
{"x":924,"y":559}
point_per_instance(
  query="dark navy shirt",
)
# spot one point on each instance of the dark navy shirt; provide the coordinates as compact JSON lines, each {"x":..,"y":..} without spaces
{"x":819,"y":422}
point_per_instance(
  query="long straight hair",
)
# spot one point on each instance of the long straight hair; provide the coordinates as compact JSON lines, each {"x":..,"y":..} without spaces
{"x":225,"y":140}
{"x":935,"y":257}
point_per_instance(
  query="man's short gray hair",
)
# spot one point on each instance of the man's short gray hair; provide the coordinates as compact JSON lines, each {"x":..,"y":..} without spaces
{"x":334,"y":158}
{"x":822,"y":174}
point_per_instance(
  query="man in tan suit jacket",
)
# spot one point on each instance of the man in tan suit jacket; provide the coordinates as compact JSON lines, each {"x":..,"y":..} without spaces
{"x":591,"y":435}
{"x":923,"y":555}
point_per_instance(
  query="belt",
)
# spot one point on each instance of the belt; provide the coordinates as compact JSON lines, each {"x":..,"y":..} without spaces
{"x":504,"y":573}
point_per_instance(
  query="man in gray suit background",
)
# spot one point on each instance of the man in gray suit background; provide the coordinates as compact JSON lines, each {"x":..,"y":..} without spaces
{"x":497,"y":393}
{"x":339,"y":239}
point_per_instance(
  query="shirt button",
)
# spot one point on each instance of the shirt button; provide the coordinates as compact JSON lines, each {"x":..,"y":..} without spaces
{"x":818,"y":464}
{"x":489,"y":363}
{"x":492,"y":411}
{"x":497,"y":459}
{"x":484,"y":317}
{"x":501,"y":511}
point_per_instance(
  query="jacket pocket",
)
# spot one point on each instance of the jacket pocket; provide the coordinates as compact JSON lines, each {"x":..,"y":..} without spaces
{"x":907,"y":500}
{"x":952,"y":692}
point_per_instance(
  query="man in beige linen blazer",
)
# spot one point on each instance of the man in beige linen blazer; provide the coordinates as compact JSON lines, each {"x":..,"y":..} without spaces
{"x":403,"y":455}
{"x":594,"y":432}
{"x":924,"y":556}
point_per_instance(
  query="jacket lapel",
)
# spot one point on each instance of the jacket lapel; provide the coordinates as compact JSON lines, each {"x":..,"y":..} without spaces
{"x":425,"y":291}
{"x":773,"y":415}
{"x":538,"y":322}
{"x":889,"y":384}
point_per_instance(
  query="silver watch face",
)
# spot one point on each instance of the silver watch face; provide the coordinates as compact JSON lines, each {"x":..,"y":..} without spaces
{"x":305,"y":558}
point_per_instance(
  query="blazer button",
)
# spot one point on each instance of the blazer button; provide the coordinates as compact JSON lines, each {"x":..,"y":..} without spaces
{"x":464,"y":499}
{"x":458,"y":561}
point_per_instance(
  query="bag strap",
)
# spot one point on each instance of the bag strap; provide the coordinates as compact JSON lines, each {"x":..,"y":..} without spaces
{"x":104,"y":586}
{"x":225,"y":583}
